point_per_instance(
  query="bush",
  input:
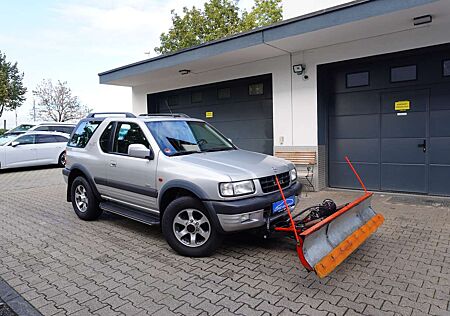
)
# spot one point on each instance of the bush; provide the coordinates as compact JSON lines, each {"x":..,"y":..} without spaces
{"x":3,"y":131}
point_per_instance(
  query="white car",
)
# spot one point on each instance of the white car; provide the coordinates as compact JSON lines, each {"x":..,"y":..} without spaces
{"x":33,"y":149}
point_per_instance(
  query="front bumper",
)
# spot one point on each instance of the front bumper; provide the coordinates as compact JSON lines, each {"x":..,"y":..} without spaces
{"x":250,"y":212}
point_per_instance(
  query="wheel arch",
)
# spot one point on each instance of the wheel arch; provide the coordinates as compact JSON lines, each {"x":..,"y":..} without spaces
{"x":79,"y":171}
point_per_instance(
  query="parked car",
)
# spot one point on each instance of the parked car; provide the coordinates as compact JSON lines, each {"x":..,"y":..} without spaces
{"x":66,"y":128}
{"x":32,"y":149}
{"x":20,"y":129}
{"x":175,"y":171}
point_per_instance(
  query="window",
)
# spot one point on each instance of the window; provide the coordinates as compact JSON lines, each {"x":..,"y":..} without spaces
{"x":446,"y":68}
{"x":223,"y":93}
{"x":83,"y":133}
{"x":62,"y":129}
{"x":127,"y":134}
{"x":61,"y":139}
{"x":187,"y":137}
{"x":357,"y":79}
{"x":45,"y":139}
{"x":41,"y":129}
{"x":25,"y":140}
{"x":404,"y":73}
{"x":256,"y":89}
{"x":172,"y":100}
{"x":196,"y":97}
{"x":105,"y":139}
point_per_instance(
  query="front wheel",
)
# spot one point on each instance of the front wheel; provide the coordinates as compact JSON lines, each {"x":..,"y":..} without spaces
{"x":188,"y":229}
{"x":83,"y":200}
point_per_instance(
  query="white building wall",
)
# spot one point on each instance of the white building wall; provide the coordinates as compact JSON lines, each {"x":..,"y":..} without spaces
{"x":294,"y":98}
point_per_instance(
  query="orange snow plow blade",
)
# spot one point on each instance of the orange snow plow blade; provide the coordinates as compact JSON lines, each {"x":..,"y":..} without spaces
{"x":325,"y":243}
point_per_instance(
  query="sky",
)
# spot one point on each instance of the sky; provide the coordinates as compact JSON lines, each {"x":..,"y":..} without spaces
{"x":74,"y":40}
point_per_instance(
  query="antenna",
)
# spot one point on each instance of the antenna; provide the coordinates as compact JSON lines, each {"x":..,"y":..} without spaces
{"x":167,"y":104}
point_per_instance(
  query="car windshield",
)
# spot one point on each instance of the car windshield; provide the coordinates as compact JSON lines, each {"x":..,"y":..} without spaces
{"x":6,"y":138}
{"x":186,"y":137}
{"x":21,"y":128}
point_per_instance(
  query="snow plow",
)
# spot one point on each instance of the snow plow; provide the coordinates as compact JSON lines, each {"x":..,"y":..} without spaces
{"x":327,"y":234}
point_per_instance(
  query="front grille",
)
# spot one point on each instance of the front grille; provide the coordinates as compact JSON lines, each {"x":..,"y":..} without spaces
{"x":269,"y":184}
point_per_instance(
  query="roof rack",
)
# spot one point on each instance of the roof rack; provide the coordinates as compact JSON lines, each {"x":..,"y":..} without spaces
{"x":95,"y":114}
{"x":164,"y":115}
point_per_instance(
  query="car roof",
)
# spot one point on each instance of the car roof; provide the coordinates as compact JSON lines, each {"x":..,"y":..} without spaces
{"x":129,"y":117}
{"x":45,"y":133}
{"x":55,"y":124}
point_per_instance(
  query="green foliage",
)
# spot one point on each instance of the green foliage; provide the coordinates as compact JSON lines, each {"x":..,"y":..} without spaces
{"x":56,"y":102}
{"x":2,"y":131}
{"x":12,"y":91}
{"x":218,"y":19}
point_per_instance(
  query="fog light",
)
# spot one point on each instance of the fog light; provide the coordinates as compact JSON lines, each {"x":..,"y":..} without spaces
{"x":245,"y":217}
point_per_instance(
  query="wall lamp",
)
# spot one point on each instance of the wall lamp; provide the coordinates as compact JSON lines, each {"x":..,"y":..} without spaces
{"x":299,"y":69}
{"x":424,"y":19}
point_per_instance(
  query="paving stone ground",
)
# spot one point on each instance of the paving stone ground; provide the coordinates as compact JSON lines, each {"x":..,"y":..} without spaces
{"x":114,"y":266}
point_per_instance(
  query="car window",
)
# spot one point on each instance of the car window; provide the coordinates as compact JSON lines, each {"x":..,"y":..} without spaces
{"x":83,"y":133}
{"x":65,"y":129}
{"x":6,"y":138}
{"x":126,"y":135}
{"x":45,"y":139}
{"x":25,"y":140}
{"x":105,"y":138}
{"x":61,"y":139}
{"x":41,"y":129}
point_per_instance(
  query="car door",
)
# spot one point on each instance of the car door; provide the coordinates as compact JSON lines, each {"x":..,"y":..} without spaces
{"x":21,"y":152}
{"x":131,"y":180}
{"x":48,"y":148}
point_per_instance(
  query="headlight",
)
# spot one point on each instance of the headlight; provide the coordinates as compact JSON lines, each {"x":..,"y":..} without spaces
{"x":293,"y":174}
{"x":237,"y":188}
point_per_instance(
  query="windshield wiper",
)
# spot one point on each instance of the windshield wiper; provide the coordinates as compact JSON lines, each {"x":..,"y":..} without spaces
{"x":217,"y":149}
{"x":181,"y":153}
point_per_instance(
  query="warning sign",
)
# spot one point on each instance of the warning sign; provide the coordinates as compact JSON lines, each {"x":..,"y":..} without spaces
{"x":402,"y":105}
{"x":209,"y":114}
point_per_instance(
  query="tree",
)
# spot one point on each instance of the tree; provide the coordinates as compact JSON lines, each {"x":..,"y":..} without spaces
{"x":12,"y":91}
{"x":219,"y":18}
{"x":56,"y":102}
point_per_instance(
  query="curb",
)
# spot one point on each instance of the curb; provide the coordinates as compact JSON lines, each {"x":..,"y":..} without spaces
{"x":15,"y":301}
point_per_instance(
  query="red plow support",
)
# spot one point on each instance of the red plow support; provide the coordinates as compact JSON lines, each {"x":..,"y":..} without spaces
{"x":323,"y":244}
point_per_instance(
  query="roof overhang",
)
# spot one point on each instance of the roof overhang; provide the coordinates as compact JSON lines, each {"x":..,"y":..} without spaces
{"x":352,"y":21}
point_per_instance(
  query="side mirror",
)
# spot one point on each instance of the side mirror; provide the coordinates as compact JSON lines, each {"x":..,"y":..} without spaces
{"x":15,"y":144}
{"x":140,"y":151}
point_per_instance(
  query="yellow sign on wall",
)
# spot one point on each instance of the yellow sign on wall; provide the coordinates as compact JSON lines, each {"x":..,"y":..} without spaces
{"x":209,"y":114}
{"x":402,"y":105}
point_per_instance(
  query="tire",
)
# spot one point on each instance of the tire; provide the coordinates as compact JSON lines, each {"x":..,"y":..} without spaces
{"x":186,"y":214}
{"x":84,"y":201}
{"x":62,"y":160}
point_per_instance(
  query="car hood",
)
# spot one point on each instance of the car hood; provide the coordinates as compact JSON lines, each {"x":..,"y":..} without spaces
{"x":239,"y":164}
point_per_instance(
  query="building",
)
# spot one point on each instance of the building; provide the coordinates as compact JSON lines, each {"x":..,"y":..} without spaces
{"x":367,"y":79}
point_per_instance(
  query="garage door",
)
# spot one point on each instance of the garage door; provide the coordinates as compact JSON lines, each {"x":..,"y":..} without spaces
{"x":241,"y":109}
{"x":391,"y":116}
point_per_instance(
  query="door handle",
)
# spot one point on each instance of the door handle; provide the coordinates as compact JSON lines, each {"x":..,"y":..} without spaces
{"x":113,"y":164}
{"x":423,"y":145}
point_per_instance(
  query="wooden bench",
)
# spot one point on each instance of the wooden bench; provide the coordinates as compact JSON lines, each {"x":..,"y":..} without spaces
{"x":306,"y":159}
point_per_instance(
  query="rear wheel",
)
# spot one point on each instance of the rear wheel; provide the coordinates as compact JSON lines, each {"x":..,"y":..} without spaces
{"x":62,"y":159}
{"x":188,"y":229}
{"x":83,"y":200}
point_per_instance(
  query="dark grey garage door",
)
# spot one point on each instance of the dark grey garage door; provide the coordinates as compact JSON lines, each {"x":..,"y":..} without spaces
{"x":241,"y":109}
{"x":391,"y":116}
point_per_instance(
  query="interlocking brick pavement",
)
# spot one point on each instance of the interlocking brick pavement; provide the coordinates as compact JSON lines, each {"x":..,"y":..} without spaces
{"x":114,"y":266}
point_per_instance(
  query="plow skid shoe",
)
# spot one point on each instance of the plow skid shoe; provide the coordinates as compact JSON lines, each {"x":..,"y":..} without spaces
{"x":327,"y":244}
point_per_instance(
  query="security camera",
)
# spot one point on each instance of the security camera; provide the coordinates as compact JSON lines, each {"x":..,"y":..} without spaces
{"x":299,"y":69}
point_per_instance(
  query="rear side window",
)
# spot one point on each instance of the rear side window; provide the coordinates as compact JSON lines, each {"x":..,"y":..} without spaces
{"x":83,"y":134}
{"x":45,"y":139}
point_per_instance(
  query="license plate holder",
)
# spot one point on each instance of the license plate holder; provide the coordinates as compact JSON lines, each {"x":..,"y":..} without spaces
{"x":278,"y":207}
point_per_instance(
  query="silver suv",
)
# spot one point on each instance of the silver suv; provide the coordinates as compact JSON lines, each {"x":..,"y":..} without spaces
{"x":176,"y":171}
